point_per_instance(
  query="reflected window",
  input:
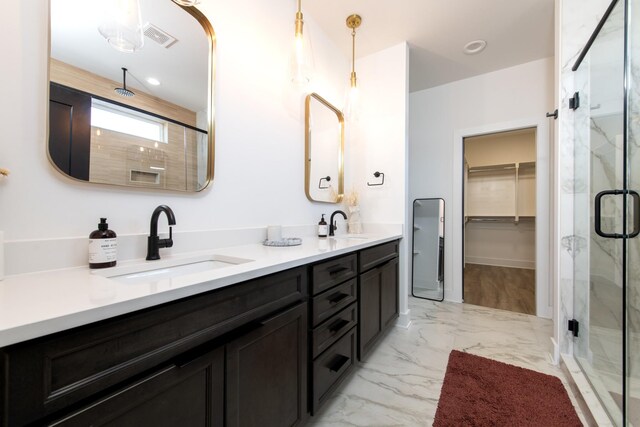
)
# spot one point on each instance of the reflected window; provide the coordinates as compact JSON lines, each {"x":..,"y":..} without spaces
{"x":111,"y":117}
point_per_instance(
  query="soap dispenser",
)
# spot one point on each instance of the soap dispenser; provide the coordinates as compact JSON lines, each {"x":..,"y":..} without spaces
{"x":322,"y":227}
{"x":103,"y":246}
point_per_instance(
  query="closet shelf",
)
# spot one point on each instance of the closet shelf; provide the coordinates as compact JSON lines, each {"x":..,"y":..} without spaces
{"x":501,"y":167}
{"x":499,"y":218}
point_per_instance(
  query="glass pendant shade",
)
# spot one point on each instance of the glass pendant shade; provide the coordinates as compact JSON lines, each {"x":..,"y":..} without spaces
{"x":122,"y":25}
{"x":301,"y":65}
{"x":351,"y":105}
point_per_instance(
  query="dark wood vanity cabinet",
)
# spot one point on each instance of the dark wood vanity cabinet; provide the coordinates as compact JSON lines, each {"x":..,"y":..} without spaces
{"x":378,"y":294}
{"x":160,"y":354}
{"x":266,"y":352}
{"x":333,"y":321}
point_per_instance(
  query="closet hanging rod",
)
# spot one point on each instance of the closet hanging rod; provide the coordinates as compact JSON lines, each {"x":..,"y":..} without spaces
{"x":503,"y":167}
{"x":499,"y":219}
{"x":506,"y":168}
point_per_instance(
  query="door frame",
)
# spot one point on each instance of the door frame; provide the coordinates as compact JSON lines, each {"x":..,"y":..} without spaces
{"x":544,"y":282}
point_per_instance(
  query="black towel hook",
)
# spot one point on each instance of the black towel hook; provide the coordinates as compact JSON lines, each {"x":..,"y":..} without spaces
{"x":377,"y":175}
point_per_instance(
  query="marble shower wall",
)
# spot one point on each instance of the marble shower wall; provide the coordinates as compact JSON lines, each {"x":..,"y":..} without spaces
{"x":577,"y":21}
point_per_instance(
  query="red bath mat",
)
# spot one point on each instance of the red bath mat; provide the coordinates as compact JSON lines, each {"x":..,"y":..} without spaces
{"x":482,"y":392}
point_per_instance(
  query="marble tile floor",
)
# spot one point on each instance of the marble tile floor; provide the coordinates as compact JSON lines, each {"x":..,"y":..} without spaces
{"x":399,"y":384}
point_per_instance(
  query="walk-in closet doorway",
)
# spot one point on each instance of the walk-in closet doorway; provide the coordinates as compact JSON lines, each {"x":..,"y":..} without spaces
{"x":499,"y":220}
{"x":530,"y":216}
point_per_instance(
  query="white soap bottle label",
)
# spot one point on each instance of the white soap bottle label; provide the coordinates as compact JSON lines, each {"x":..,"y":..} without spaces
{"x":103,"y":250}
{"x":322,"y":230}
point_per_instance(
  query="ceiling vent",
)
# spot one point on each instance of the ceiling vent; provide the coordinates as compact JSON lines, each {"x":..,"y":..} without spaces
{"x":159,"y":36}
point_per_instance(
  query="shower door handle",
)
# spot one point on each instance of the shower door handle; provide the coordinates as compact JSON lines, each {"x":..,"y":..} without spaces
{"x":636,"y":213}
{"x":598,"y":214}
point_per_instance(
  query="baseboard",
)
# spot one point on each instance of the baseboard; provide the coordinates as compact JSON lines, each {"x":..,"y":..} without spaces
{"x":555,"y":351}
{"x":500,"y":262}
{"x":404,"y":320}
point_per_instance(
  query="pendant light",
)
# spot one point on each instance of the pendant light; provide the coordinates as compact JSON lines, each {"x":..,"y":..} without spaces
{"x":351,"y":104}
{"x":301,"y":59}
{"x":122,"y":25}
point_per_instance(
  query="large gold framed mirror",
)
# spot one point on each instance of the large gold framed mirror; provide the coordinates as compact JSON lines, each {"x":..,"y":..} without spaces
{"x":139,"y":114}
{"x":324,"y":151}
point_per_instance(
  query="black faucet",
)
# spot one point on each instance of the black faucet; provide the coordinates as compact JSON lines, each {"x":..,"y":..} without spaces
{"x":332,"y":225}
{"x":154,"y":241}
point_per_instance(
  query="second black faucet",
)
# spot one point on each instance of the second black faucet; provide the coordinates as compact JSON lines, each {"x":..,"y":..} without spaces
{"x":333,"y":226}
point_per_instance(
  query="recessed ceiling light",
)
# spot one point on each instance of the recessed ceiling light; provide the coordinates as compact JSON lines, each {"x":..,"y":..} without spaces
{"x":474,"y":47}
{"x":153,"y":81}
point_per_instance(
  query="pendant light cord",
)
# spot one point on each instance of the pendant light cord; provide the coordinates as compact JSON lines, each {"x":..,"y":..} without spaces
{"x":353,"y":22}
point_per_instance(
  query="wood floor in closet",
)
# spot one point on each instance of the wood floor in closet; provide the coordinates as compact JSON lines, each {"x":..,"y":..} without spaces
{"x":504,"y":288}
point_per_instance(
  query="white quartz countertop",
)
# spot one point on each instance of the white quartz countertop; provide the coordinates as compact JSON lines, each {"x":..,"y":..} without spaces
{"x":37,"y":304}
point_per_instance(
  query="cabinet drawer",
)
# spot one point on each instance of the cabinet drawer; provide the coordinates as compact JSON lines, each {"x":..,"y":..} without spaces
{"x":188,"y":393}
{"x":326,"y":334}
{"x":330,"y":273}
{"x":371,"y":257}
{"x":331,"y":367}
{"x":332,"y":301}
{"x":46,"y":375}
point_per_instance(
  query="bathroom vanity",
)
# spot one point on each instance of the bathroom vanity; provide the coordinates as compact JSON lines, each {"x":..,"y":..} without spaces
{"x":267,"y":351}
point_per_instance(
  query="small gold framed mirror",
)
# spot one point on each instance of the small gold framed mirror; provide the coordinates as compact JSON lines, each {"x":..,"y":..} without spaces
{"x":324,"y":151}
{"x":136,"y":112}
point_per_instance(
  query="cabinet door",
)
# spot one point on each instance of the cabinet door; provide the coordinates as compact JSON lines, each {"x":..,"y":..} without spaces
{"x":187,"y":393}
{"x":369,"y":310}
{"x":389,"y":292}
{"x":267,"y":372}
{"x":378,"y":303}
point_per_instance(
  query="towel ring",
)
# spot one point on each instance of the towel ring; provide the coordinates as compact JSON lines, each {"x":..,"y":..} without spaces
{"x":324,"y":178}
{"x":377,"y":175}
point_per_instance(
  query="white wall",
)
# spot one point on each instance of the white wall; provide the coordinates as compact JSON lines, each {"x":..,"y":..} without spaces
{"x":438,"y":115}
{"x":502,"y":244}
{"x":378,"y":142}
{"x":259,"y":170}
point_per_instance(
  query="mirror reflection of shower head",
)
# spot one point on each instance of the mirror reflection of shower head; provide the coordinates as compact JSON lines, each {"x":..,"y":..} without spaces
{"x":123,"y":91}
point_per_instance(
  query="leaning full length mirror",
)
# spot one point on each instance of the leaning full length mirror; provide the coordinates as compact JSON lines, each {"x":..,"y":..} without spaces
{"x":324,"y":151}
{"x":428,"y":249}
{"x":141,"y":117}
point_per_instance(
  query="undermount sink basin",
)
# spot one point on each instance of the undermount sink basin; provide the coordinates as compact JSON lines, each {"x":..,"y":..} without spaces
{"x":153,"y":271}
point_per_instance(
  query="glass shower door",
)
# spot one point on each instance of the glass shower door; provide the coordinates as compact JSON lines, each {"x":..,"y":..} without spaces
{"x":599,"y":214}
{"x":633,"y":243}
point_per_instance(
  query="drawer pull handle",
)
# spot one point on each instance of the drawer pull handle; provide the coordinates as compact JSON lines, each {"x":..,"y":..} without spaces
{"x":338,"y":362}
{"x":337,"y":297}
{"x":337,"y":325}
{"x":334,"y":271}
